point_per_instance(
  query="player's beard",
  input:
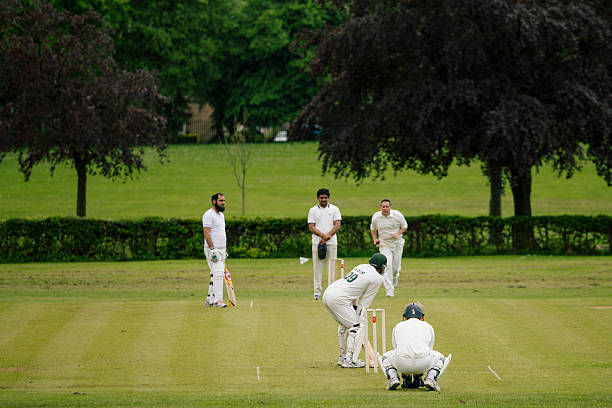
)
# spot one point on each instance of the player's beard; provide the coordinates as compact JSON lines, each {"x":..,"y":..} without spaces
{"x":219,"y":208}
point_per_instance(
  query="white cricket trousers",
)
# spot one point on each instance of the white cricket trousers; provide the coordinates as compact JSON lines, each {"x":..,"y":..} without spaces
{"x":394,"y":265}
{"x":408,"y":365}
{"x":217,"y":270}
{"x":349,"y":332}
{"x":332,"y":252}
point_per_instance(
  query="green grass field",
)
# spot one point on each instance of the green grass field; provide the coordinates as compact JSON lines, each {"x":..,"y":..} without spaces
{"x":282,"y":183}
{"x":137,"y":334}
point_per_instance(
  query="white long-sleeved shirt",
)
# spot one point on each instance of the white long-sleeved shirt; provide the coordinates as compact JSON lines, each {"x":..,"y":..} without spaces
{"x":361,"y":284}
{"x":413,"y":338}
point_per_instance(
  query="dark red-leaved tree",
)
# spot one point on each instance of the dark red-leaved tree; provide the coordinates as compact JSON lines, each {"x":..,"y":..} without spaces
{"x":63,"y":98}
{"x":417,"y":84}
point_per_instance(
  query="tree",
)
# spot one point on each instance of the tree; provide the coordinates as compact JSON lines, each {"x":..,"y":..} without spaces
{"x":256,"y":71}
{"x":420,"y":84}
{"x":63,"y":98}
{"x":240,"y":156}
{"x":177,"y":39}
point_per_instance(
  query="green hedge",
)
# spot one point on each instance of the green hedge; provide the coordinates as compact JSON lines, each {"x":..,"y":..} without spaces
{"x":73,"y":239}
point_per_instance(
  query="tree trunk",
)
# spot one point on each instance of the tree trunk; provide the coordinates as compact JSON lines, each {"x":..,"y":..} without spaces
{"x":495,"y":178}
{"x":243,"y":189}
{"x":81,"y":169}
{"x":522,"y":232}
{"x":495,"y":206}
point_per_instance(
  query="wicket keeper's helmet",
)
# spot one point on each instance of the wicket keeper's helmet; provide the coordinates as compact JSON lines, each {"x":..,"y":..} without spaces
{"x":414,"y":310}
{"x":378,"y":261}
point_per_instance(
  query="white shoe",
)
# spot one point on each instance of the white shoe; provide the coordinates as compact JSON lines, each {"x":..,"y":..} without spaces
{"x":431,"y":384}
{"x":340,"y":360}
{"x":389,"y":294}
{"x":207,"y":303}
{"x":359,"y":363}
{"x":220,"y":304}
{"x":348,"y":363}
{"x":316,"y":296}
{"x":393,"y":383}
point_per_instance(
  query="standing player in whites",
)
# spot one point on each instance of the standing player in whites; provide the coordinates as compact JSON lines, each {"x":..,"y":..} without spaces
{"x":413,"y":353}
{"x":387,"y":227}
{"x":213,"y":222}
{"x":323,"y":222}
{"x":346,"y":298}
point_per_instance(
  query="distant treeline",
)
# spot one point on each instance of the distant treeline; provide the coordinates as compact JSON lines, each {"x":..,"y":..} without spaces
{"x":59,"y":239}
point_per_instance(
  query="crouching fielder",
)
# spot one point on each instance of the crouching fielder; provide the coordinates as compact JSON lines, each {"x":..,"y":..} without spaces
{"x":346,"y":297}
{"x":413,"y":354}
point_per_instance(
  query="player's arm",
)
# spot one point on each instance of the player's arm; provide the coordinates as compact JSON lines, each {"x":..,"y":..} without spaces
{"x":399,"y":232}
{"x":375,"y":237}
{"x":374,"y":232}
{"x":313,"y":229}
{"x":334,"y":229}
{"x":403,"y":225}
{"x":370,"y":293}
{"x":208,"y":237}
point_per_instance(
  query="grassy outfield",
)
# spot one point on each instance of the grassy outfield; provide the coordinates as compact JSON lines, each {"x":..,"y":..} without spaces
{"x":137,"y":334}
{"x":282,"y":183}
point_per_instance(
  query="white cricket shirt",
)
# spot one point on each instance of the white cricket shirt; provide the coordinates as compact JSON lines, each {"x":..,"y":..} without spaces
{"x":388,"y":225}
{"x":361,"y":283}
{"x":413,"y":338}
{"x":323,"y":219}
{"x":216,"y":222}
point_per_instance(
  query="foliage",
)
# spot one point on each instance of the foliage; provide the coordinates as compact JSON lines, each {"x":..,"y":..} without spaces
{"x":419,"y":84}
{"x":255,"y":70}
{"x":240,"y":155}
{"x":72,"y":239}
{"x":63,"y":98}
{"x":174,"y":38}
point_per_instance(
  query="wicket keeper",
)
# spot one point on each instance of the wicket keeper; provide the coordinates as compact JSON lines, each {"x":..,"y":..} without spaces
{"x":346,"y":298}
{"x":413,"y":354}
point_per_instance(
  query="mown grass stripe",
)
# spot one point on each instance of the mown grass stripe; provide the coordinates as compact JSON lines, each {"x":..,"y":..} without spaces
{"x":40,"y":324}
{"x":60,"y":363}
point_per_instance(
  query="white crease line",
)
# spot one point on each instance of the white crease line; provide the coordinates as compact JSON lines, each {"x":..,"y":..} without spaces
{"x":251,"y":304}
{"x":494,"y":373}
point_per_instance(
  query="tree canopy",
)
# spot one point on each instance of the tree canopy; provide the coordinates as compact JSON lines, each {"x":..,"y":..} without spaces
{"x":232,"y":54}
{"x":257,"y":72}
{"x":419,"y":84}
{"x":63,"y":98}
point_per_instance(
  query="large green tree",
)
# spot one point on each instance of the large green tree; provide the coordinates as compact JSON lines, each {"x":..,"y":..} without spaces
{"x":257,"y":73}
{"x":177,"y":39}
{"x":64,"y":99}
{"x":419,"y":84}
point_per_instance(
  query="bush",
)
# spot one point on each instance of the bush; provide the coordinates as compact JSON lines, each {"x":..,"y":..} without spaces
{"x":75,"y":239}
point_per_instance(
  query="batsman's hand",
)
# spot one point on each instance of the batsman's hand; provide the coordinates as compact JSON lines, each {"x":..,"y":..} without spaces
{"x":215,"y":255}
{"x":358,"y":309}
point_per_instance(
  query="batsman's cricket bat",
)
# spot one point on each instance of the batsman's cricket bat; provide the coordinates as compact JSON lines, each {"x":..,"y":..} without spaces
{"x":367,"y":348}
{"x":229,"y":287}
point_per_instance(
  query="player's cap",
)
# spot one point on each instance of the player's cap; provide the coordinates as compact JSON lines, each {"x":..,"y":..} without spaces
{"x":378,"y":261}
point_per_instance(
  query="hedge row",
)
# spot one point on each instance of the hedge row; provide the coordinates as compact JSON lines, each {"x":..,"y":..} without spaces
{"x":73,"y":239}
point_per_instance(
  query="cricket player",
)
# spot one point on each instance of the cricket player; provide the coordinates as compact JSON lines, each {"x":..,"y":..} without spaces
{"x":324,"y":221}
{"x":387,"y":227}
{"x":413,"y":354}
{"x":213,"y":222}
{"x":346,"y":298}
